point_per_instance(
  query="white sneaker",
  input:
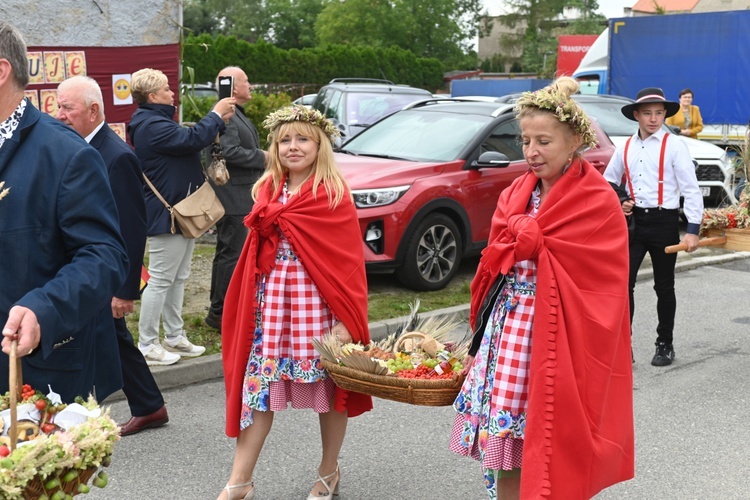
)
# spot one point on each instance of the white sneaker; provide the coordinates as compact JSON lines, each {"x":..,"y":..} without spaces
{"x":156,"y":355}
{"x":182,"y":346}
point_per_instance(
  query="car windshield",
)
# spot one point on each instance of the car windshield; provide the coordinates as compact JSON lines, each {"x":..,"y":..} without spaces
{"x":365,"y":109}
{"x":419,"y":135}
{"x":608,"y":115}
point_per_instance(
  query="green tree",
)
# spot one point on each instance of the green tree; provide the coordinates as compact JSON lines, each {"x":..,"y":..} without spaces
{"x":587,"y":22}
{"x":537,"y":40}
{"x":291,"y":23}
{"x":443,"y":29}
{"x":197,"y":18}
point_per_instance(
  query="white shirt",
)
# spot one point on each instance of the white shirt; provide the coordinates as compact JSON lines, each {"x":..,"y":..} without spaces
{"x":643,"y":163}
{"x":93,"y":132}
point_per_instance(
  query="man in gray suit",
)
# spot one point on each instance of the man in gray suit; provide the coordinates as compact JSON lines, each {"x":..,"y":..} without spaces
{"x":245,"y":162}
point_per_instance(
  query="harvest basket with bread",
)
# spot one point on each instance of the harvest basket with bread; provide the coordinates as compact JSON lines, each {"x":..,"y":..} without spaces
{"x":420,"y":364}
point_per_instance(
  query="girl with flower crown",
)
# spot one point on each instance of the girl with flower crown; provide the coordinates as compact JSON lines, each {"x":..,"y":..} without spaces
{"x":301,"y":274}
{"x":546,"y":406}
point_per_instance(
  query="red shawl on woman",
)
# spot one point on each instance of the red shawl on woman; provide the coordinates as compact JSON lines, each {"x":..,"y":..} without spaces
{"x":579,"y":428}
{"x":328,"y":243}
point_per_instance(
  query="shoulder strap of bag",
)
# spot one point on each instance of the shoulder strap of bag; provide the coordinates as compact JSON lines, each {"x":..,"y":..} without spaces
{"x":157,"y":193}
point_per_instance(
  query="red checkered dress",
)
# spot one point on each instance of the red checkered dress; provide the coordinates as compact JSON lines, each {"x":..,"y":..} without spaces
{"x":491,"y":405}
{"x":284,"y":367}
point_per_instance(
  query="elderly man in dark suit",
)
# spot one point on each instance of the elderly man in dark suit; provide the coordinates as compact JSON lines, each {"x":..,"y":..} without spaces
{"x":245,"y":162}
{"x":62,"y":253}
{"x":81,"y":106}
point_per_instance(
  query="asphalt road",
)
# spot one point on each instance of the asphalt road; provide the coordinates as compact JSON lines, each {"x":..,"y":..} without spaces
{"x":691,"y":424}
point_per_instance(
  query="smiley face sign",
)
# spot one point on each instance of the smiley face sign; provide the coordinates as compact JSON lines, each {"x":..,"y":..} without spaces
{"x":121,"y":89}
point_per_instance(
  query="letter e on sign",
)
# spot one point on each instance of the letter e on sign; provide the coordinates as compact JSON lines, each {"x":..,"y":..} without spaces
{"x":48,"y":98}
{"x":75,"y":63}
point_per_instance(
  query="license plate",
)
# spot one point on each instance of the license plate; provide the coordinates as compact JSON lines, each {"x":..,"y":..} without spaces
{"x":705,"y":191}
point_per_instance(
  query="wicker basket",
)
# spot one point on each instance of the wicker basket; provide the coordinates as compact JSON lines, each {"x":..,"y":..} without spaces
{"x":422,"y":392}
{"x":34,"y":489}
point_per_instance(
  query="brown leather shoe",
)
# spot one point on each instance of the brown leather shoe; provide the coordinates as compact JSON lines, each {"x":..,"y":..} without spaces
{"x":137,"y":424}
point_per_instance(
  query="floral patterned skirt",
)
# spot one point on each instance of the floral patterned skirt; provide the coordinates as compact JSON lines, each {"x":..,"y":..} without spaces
{"x":491,"y":418}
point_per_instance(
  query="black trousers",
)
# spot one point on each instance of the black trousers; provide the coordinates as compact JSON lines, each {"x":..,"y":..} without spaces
{"x":138,"y":384}
{"x":654,"y":230}
{"x":230,"y":237}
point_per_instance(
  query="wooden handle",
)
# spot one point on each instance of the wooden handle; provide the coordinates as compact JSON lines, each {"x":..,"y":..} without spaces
{"x":400,"y":342}
{"x":705,"y":242}
{"x":14,"y":384}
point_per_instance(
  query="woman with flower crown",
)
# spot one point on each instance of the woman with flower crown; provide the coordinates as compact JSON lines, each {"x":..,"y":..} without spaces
{"x":546,"y":406}
{"x":301,"y":274}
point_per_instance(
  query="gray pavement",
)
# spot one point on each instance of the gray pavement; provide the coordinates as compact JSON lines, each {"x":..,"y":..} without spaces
{"x":691,"y":431}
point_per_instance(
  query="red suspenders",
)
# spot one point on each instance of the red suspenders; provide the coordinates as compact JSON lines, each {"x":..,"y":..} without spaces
{"x":660,"y":201}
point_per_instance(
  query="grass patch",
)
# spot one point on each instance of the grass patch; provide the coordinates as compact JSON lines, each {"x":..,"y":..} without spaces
{"x":392,"y":304}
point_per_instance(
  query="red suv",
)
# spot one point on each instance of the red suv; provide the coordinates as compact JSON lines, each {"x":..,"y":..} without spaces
{"x":426,"y":181}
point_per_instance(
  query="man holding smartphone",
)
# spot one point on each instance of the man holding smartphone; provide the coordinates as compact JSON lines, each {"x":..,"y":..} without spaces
{"x":245,"y":160}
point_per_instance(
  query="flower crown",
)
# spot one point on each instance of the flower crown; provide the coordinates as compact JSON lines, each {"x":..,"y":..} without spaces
{"x":564,"y":108}
{"x":297,"y":113}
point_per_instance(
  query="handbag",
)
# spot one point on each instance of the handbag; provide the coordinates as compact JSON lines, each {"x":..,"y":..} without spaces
{"x":217,"y":169}
{"x":195,"y":214}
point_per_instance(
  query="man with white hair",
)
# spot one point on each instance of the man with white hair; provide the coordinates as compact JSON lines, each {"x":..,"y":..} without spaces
{"x":80,"y":104}
{"x":62,"y":254}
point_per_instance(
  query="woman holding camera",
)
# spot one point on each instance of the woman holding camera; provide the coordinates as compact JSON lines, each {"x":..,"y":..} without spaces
{"x":170,"y":156}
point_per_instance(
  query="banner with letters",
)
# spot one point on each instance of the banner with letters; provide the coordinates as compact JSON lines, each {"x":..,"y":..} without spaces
{"x":111,"y":67}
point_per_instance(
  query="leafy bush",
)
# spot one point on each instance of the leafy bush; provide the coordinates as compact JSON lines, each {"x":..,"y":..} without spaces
{"x":266,"y":63}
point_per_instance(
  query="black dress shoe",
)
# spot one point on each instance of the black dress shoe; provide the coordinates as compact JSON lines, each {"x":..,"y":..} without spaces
{"x":664,"y":354}
{"x":137,"y":424}
{"x":213,"y":321}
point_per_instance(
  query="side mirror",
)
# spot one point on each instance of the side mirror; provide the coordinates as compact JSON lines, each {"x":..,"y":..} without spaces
{"x":675,"y":129}
{"x":491,"y":159}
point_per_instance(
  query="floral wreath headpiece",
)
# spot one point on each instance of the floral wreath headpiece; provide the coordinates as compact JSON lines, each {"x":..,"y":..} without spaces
{"x":565,"y":109}
{"x":297,"y":113}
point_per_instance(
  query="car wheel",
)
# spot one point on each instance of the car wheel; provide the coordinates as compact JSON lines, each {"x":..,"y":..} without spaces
{"x":433,"y":254}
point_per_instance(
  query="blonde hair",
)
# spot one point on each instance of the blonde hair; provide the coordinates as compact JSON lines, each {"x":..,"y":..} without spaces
{"x":555,"y":98}
{"x":144,"y":82}
{"x":325,"y":171}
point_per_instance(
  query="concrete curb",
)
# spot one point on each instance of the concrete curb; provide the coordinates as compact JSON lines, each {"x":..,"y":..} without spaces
{"x":205,"y":368}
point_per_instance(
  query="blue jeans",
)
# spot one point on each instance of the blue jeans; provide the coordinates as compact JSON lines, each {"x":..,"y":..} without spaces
{"x":169,"y":262}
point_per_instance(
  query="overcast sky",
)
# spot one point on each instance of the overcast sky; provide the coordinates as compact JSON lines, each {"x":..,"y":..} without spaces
{"x":608,"y":8}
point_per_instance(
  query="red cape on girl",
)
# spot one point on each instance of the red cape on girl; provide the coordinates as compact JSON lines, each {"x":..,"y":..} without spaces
{"x":328,"y":243}
{"x":579,"y":434}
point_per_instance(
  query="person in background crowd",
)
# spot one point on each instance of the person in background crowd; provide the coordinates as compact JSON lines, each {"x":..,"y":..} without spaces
{"x":81,"y":106}
{"x":547,"y":403}
{"x":63,"y":258}
{"x":689,"y":119}
{"x":294,"y":282}
{"x":245,"y":161}
{"x":656,"y":171}
{"x":170,"y":156}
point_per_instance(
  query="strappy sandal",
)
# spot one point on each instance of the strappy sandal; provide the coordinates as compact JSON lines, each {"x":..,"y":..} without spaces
{"x":325,"y":480}
{"x":248,"y":496}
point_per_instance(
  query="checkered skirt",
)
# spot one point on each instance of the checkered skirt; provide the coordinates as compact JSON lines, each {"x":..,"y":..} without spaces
{"x":491,"y":406}
{"x":284,"y":367}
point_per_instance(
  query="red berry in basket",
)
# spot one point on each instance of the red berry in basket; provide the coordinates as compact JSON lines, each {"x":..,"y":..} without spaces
{"x":40,"y":404}
{"x":4,"y":451}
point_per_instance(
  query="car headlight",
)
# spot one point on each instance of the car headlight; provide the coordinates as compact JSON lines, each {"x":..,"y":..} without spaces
{"x":369,"y":198}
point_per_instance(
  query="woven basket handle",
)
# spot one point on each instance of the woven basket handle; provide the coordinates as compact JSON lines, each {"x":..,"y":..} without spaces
{"x":399,"y":344}
{"x":15,"y":384}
